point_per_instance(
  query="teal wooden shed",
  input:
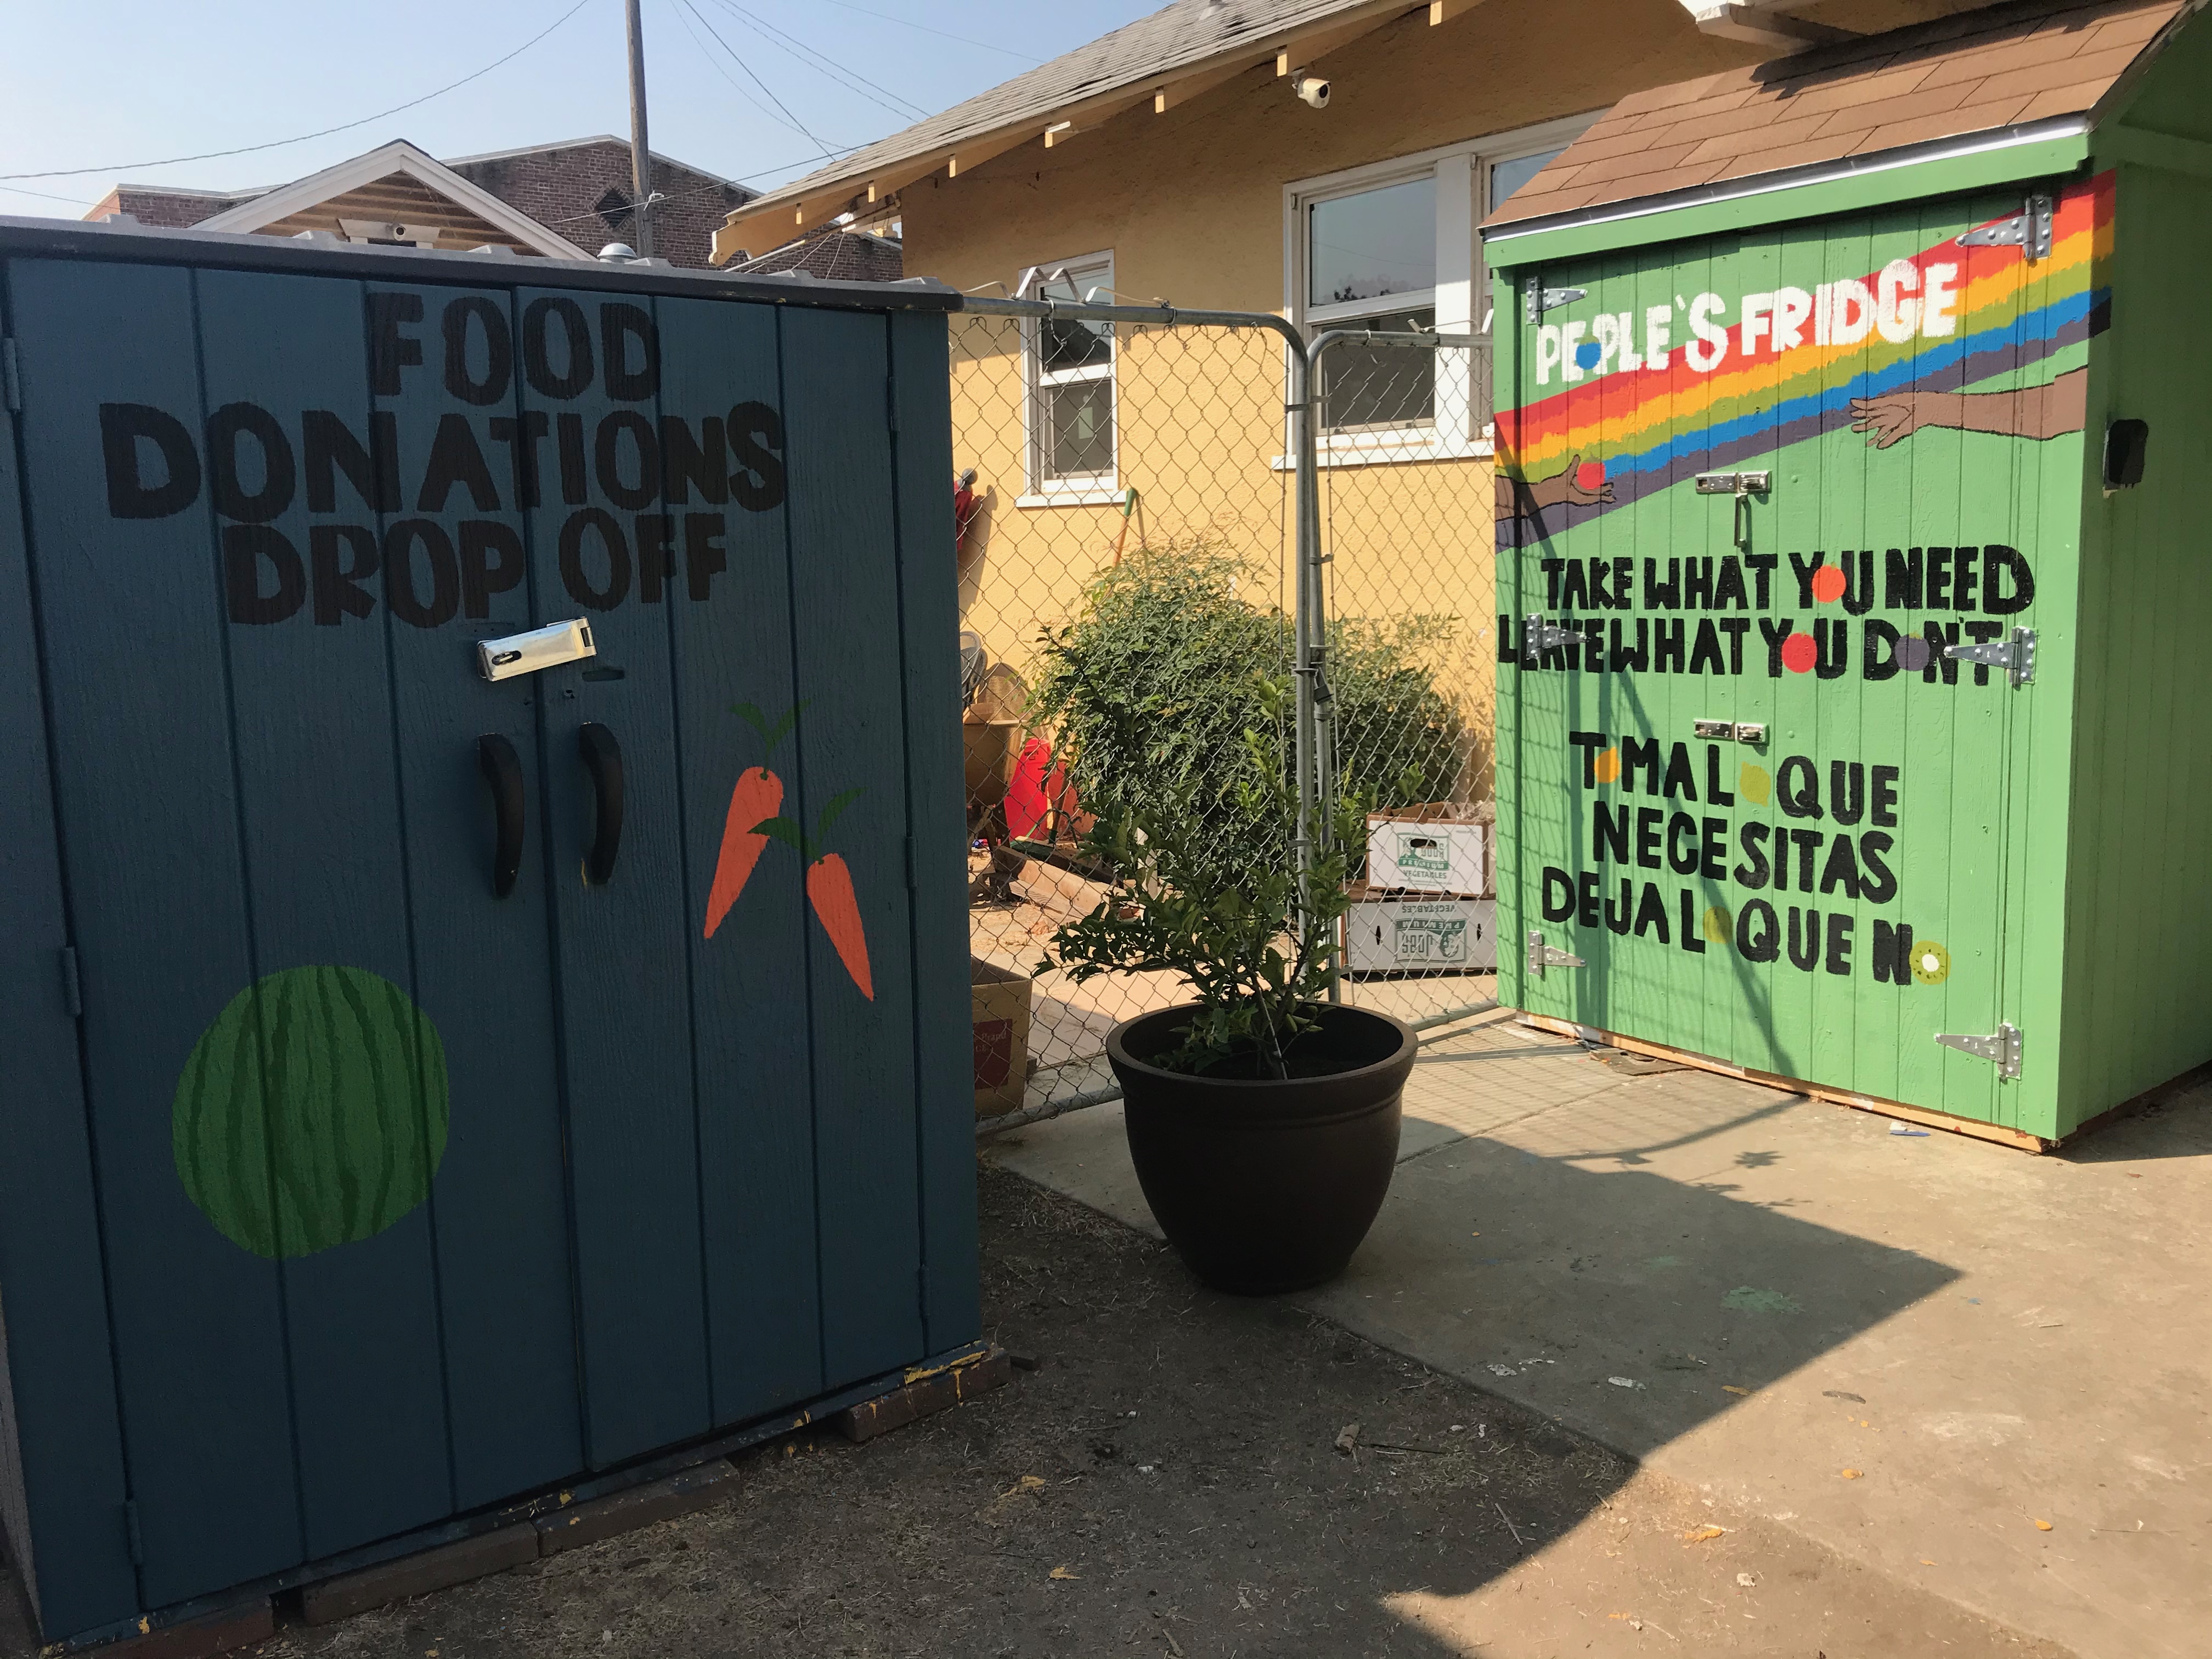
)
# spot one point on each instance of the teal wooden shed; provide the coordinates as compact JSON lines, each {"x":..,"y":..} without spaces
{"x":1853,"y":423}
{"x":482,"y":928}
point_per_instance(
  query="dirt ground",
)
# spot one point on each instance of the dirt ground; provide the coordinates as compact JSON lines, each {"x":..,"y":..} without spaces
{"x":1170,"y":1480}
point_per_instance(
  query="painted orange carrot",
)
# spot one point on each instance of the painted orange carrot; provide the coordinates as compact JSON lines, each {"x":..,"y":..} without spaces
{"x":829,"y":886}
{"x":758,"y":796}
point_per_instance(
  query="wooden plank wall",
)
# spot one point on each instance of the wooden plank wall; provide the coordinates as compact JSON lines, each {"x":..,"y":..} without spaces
{"x":691,"y":1176}
{"x":2137,"y":983}
{"x":61,"y":1495}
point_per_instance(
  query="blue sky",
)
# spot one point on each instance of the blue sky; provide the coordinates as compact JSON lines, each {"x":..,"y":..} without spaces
{"x":105,"y":83}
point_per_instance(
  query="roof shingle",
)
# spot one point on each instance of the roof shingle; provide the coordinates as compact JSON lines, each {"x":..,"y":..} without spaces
{"x":1972,"y":72}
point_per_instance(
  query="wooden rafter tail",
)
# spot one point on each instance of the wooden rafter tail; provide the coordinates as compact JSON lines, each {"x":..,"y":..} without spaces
{"x":1443,"y":11}
{"x":1311,"y":45}
{"x":1182,"y":90}
{"x":1093,"y":116}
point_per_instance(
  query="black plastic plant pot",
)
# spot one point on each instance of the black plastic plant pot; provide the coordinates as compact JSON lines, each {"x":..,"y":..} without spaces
{"x":1268,"y":1185}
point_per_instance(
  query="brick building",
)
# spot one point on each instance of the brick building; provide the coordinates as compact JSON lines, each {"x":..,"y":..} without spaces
{"x":561,"y":201}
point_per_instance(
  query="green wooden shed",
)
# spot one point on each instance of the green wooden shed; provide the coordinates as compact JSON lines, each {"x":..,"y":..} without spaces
{"x":1852,"y":408}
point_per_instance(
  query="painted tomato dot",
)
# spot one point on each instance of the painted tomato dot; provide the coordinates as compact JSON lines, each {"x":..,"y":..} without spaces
{"x":1828,"y":583}
{"x":1589,"y":354}
{"x":1720,"y":926}
{"x":1799,"y":654}
{"x":1753,"y":784}
{"x":1608,"y":767}
{"x":1590,"y":476}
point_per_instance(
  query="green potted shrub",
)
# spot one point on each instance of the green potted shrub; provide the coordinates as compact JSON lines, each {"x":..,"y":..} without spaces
{"x":1263,"y":1119}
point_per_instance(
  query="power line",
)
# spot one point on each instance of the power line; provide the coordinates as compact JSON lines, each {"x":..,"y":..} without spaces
{"x":280,"y":143}
{"x":852,"y":79}
{"x":790,"y":119}
{"x":910,"y":23}
{"x":47,"y":195}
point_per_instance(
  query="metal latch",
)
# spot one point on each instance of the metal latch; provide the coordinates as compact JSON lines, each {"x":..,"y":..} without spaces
{"x":1742,"y":485}
{"x":1542,"y":298}
{"x":2028,"y":230}
{"x":2016,"y":655}
{"x":1542,"y":955}
{"x":1730,"y":730}
{"x":540,"y":649}
{"x":2003,"y":1047}
{"x":1539,"y":636}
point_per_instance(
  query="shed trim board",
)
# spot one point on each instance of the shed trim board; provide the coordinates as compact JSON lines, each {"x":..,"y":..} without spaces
{"x":1947,"y":166}
{"x":631,"y":1232}
{"x":243,"y":251}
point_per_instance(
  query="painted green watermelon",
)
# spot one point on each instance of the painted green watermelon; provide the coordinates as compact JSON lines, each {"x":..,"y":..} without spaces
{"x":313,"y":1112}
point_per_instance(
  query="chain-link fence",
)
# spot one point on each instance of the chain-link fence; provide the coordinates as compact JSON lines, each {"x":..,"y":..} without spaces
{"x":1128,"y":514}
{"x":1408,"y":698}
{"x":1126,"y":550}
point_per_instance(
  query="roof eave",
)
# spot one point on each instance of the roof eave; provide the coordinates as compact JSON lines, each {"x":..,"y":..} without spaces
{"x":1510,"y":244}
{"x":833,"y":190}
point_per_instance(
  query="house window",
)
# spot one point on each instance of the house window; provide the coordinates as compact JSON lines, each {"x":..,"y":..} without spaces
{"x":1393,"y":248}
{"x":1070,"y":375}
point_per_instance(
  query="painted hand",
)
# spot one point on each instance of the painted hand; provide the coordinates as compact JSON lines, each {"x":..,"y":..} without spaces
{"x":1575,"y":493}
{"x":1889,"y":419}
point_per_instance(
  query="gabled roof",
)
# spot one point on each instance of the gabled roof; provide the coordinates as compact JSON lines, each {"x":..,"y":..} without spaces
{"x":1175,"y":54}
{"x":834,"y":254}
{"x":2001,"y":67}
{"x":401,"y":158}
{"x":590,"y":139}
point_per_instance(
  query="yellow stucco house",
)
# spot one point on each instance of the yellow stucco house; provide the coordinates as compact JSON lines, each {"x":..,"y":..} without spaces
{"x":1327,"y":160}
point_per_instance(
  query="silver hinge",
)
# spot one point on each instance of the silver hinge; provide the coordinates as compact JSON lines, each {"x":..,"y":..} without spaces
{"x":1729,"y":731}
{"x":72,"y":986}
{"x":11,"y":377}
{"x":131,"y":1536}
{"x":1542,"y":955}
{"x":2016,"y":655}
{"x":2003,"y":1047}
{"x":1539,"y":636}
{"x":2028,"y":230}
{"x":1542,"y":298}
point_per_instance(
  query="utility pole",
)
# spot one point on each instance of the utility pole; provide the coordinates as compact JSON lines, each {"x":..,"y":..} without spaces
{"x":640,"y":155}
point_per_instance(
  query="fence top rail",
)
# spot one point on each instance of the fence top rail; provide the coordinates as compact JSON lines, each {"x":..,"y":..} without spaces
{"x":1394,"y":337}
{"x":1162,"y":315}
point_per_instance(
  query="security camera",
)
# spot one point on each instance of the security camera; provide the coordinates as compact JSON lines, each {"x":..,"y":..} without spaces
{"x":1311,"y":89}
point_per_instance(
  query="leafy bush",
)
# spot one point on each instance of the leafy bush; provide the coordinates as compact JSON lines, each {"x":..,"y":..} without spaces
{"x":1151,"y":690}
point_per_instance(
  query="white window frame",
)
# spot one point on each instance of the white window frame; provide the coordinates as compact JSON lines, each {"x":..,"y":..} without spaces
{"x":1461,"y":297}
{"x":1087,"y":274}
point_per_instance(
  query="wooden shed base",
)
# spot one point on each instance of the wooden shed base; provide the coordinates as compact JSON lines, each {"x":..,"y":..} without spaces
{"x":2018,"y":1139}
{"x":584,"y":1513}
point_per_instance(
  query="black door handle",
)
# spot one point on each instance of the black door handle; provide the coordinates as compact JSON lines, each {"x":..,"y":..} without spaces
{"x":503,"y":769}
{"x":603,"y":760}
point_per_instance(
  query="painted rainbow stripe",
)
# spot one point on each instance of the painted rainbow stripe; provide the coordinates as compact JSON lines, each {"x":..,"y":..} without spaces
{"x":1654,"y":428}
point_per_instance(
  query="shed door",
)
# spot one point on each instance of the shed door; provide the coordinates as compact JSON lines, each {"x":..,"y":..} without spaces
{"x":1747,"y":785}
{"x":320,"y":1054}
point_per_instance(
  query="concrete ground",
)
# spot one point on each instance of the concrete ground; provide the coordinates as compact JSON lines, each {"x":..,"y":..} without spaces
{"x":1974,"y":1373}
{"x":1186,"y":1476}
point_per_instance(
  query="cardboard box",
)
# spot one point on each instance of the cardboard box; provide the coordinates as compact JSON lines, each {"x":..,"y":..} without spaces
{"x":999,"y":999}
{"x":1411,"y":934}
{"x":1442,"y":848}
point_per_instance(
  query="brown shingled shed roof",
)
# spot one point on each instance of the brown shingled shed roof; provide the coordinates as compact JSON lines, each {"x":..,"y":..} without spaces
{"x":1974,"y":72}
